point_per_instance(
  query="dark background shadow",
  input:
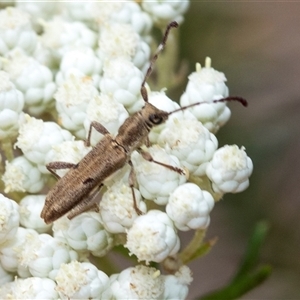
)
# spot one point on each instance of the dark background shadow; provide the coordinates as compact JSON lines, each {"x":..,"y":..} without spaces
{"x":257,"y":46}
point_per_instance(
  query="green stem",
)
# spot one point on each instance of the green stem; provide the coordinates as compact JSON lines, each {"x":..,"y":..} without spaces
{"x":7,"y":149}
{"x":193,"y":246}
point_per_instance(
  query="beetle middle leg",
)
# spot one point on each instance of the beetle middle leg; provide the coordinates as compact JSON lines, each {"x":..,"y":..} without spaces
{"x":147,"y":156}
{"x":132,"y":180}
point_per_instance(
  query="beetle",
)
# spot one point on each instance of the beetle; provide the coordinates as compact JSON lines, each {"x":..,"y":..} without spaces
{"x":77,"y":191}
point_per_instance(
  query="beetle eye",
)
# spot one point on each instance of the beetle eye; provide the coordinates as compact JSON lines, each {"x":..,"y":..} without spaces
{"x":155,"y":119}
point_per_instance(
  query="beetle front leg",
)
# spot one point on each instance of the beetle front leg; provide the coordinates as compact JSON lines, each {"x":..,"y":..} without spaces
{"x":99,"y":127}
{"x":147,"y":156}
{"x":58,"y":165}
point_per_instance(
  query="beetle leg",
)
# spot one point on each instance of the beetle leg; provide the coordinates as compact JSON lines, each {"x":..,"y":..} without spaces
{"x":88,"y":204}
{"x":99,"y":127}
{"x":132,"y":180}
{"x":147,"y":156}
{"x":58,"y":165}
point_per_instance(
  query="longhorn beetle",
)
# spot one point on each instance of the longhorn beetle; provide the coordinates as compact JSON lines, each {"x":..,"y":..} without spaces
{"x":76,"y":192}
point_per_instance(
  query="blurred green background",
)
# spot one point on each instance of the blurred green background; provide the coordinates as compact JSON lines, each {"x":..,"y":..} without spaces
{"x":257,"y":46}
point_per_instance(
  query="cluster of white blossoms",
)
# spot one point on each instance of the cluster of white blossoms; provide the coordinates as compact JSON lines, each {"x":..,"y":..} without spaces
{"x":62,"y":66}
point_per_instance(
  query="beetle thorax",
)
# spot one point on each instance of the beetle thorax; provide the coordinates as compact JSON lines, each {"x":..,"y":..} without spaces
{"x":134,"y":131}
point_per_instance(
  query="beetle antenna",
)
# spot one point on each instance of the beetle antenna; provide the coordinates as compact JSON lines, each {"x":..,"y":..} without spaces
{"x":227,"y":99}
{"x":160,"y":47}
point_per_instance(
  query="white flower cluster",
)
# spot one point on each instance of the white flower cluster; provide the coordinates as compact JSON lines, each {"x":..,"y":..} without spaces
{"x":63,"y":66}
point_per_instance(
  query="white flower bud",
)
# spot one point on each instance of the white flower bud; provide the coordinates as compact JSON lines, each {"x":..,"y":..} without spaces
{"x":60,"y":35}
{"x":82,"y":59}
{"x":230,"y":169}
{"x":140,"y":282}
{"x":30,"y":210}
{"x":121,"y":40}
{"x":11,"y":252}
{"x":36,"y":138}
{"x":9,"y":219}
{"x":91,"y":13}
{"x":108,"y":112}
{"x":156,"y":182}
{"x":122,"y":81}
{"x":152,"y":237}
{"x":29,"y":288}
{"x":72,"y":99}
{"x":163,"y":12}
{"x":38,"y":11}
{"x":33,"y":79}
{"x":190,"y":142}
{"x":21,"y":175}
{"x":77,"y":280}
{"x":85,"y":232}
{"x":206,"y":85}
{"x":44,"y":255}
{"x":176,"y":286}
{"x":11,"y":104}
{"x":189,"y":207}
{"x":67,"y":151}
{"x":4,"y":278}
{"x":116,"y":207}
{"x":16,"y":31}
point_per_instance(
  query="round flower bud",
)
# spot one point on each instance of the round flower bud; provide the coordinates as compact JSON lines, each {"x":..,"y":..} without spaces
{"x":108,"y":112}
{"x":116,"y":207}
{"x":60,"y":35}
{"x":72,"y":99}
{"x":163,"y":12}
{"x":176,"y":286}
{"x":206,"y":85}
{"x":230,"y":169}
{"x":190,"y":142}
{"x":156,"y":182}
{"x":9,"y":219}
{"x":122,"y":81}
{"x":30,"y":210}
{"x":16,"y":31}
{"x":121,"y":40}
{"x":21,"y":175}
{"x":152,"y":237}
{"x":82,"y":59}
{"x":11,"y":252}
{"x":44,"y":255}
{"x":77,"y":280}
{"x":140,"y":282}
{"x":131,"y":13}
{"x":38,"y":11}
{"x":36,"y":138}
{"x":11,"y":104}
{"x":4,"y":278}
{"x":29,"y":288}
{"x":33,"y":79}
{"x":84,"y":233}
{"x":189,"y":207}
